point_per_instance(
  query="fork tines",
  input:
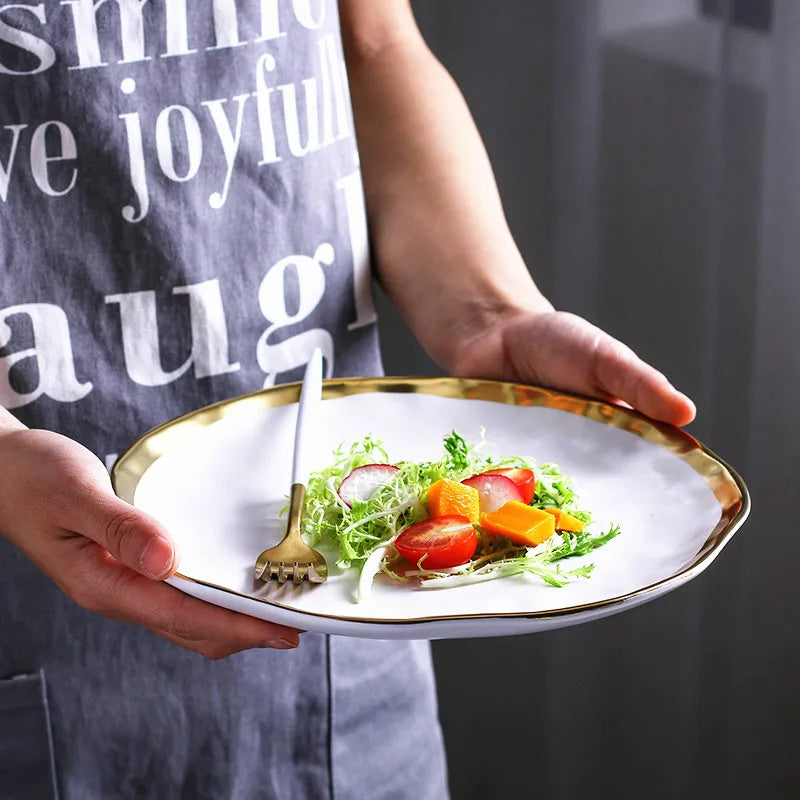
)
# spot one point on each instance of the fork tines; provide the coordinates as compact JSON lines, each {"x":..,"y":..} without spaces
{"x":296,"y":571}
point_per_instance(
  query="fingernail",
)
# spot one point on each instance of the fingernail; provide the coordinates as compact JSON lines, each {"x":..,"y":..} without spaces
{"x":281,"y":644}
{"x":157,"y":558}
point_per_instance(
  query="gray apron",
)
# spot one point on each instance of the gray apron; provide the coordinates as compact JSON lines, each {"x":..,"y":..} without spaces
{"x":182,"y":221}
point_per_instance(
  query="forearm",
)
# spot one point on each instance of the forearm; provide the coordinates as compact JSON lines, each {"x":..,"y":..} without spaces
{"x":442,"y":245}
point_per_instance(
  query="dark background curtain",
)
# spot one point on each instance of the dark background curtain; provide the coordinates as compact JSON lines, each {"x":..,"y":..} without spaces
{"x":648,"y":155}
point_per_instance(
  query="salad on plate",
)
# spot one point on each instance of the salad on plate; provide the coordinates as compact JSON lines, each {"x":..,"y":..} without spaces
{"x":464,"y":518}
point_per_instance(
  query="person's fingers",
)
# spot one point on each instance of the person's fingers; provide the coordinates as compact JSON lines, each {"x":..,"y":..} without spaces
{"x":131,"y":536}
{"x":101,"y":584}
{"x":73,"y":492}
{"x":107,"y":555}
{"x":214,"y":651}
{"x":565,"y":351}
{"x":618,"y":372}
{"x":74,"y":503}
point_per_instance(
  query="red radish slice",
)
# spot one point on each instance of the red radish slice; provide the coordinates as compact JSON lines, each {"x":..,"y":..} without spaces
{"x":442,"y":541}
{"x":494,"y":491}
{"x":522,"y":477}
{"x":364,"y":481}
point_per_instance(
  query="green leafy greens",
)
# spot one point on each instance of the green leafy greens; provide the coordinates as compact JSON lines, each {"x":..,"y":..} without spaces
{"x":363,"y":534}
{"x":457,"y":451}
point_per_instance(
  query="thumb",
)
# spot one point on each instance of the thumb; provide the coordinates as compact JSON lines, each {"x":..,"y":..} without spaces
{"x":134,"y":538}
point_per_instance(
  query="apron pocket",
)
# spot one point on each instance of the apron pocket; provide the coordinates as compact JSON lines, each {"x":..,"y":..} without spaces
{"x":26,"y":743}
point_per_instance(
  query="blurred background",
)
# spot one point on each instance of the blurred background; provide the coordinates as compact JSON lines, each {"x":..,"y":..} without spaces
{"x":648,"y":156}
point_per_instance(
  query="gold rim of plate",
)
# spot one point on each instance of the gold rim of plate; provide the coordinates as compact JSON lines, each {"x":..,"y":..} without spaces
{"x":726,"y":484}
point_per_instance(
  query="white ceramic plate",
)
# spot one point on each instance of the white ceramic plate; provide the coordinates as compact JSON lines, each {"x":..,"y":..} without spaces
{"x":217,"y":479}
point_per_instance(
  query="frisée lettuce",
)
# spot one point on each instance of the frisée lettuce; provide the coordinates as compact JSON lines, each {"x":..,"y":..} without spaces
{"x":363,"y":530}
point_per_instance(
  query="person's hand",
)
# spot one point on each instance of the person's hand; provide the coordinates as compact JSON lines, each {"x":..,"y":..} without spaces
{"x":561,"y":350}
{"x":57,"y":507}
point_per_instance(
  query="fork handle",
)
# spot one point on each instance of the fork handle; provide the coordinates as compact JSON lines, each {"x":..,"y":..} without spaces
{"x":296,"y":497}
{"x":307,"y":416}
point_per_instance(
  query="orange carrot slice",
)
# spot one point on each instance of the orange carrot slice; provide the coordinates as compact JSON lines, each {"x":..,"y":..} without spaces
{"x":564,"y":521}
{"x":521,"y":523}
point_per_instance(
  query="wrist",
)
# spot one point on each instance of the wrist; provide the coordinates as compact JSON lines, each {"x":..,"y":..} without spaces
{"x":460,"y":308}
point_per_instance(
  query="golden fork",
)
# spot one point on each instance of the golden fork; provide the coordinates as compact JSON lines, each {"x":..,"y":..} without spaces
{"x":293,"y":557}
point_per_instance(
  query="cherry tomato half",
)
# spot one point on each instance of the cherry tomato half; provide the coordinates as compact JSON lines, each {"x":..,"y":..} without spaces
{"x":444,"y":541}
